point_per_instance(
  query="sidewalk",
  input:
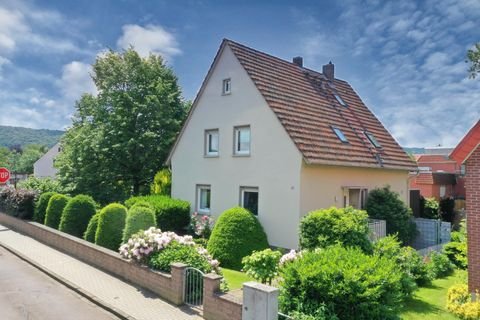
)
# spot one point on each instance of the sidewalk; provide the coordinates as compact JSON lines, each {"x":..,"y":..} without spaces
{"x":127,"y":300}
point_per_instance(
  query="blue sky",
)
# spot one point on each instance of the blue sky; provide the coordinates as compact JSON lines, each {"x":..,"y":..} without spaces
{"x":406,"y":59}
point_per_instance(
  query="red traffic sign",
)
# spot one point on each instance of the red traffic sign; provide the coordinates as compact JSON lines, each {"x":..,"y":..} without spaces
{"x":4,"y":175}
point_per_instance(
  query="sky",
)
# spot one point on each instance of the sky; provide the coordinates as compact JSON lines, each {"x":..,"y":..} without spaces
{"x":406,"y":59}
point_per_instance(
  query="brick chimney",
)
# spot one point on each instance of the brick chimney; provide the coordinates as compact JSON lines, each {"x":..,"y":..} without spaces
{"x":298,"y":61}
{"x":329,"y":71}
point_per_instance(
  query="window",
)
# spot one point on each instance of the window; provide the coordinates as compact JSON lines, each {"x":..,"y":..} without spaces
{"x":211,"y":143}
{"x":242,"y":140}
{"x":227,"y":86}
{"x":340,"y":134}
{"x":443,"y":190}
{"x":462,"y":170}
{"x":203,"y":198}
{"x":355,"y":197}
{"x":373,"y":140}
{"x":340,"y":100}
{"x":249,"y":199}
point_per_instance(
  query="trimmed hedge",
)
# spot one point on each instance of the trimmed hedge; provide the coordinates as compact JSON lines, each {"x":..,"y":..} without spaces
{"x":326,"y":227}
{"x":55,"y":207}
{"x":171,"y":214}
{"x":76,"y":215}
{"x":237,"y":233}
{"x":41,"y":207}
{"x":110,"y":226}
{"x":89,"y":234}
{"x":176,"y":252}
{"x":19,"y":203}
{"x":140,"y":216}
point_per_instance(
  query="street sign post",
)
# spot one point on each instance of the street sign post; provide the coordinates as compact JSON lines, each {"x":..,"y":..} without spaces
{"x":4,"y":175}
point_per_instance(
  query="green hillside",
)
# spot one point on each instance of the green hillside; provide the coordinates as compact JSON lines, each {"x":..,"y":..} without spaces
{"x":10,"y":136}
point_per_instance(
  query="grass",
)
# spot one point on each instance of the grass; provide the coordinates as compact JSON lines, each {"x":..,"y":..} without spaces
{"x":429,"y":303}
{"x":235,"y":278}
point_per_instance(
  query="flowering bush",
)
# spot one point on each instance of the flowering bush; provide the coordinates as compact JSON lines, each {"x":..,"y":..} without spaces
{"x":18,"y":202}
{"x":292,"y":255}
{"x":262,"y":265}
{"x":459,"y":302}
{"x":201,"y":225}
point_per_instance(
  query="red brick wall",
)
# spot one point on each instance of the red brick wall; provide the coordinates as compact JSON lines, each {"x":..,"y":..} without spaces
{"x":472,"y":187}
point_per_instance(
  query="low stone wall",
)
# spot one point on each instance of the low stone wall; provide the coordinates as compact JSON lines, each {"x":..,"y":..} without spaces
{"x":217,"y":305}
{"x":167,"y":286}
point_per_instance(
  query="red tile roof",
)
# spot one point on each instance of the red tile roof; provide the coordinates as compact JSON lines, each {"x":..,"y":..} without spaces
{"x":467,"y":144}
{"x":303,"y":100}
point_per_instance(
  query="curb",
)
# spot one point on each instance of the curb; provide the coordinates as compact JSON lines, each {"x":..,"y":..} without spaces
{"x":92,"y":298}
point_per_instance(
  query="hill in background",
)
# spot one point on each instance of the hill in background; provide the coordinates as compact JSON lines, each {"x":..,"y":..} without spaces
{"x":10,"y":136}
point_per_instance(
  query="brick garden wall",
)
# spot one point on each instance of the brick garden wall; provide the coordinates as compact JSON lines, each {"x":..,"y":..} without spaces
{"x":472,"y":187}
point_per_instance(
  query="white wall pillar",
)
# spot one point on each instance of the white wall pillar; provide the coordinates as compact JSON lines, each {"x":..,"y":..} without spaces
{"x":260,"y":302}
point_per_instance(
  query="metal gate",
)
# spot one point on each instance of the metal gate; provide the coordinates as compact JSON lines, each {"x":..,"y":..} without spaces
{"x":193,"y":287}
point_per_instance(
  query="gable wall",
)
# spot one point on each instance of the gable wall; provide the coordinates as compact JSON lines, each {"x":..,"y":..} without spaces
{"x":43,"y":167}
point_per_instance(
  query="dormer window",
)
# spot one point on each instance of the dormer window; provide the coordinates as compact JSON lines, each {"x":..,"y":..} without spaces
{"x":340,"y":100}
{"x":227,"y":86}
{"x":211,"y":143}
{"x":373,"y":140}
{"x":340,"y":134}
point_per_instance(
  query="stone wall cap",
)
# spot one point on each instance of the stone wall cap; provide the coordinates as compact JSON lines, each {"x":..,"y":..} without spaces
{"x":213,"y":276}
{"x":259,"y":286}
{"x":178,"y":265}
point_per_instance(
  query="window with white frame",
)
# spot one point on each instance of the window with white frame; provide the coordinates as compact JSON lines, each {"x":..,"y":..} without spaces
{"x":443,"y":191}
{"x":227,"y":86}
{"x":355,"y":197}
{"x":203,"y":198}
{"x":211,"y":142}
{"x":249,"y":199}
{"x":242,"y":140}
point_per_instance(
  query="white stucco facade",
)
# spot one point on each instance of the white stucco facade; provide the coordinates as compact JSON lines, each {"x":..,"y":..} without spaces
{"x":43,"y":167}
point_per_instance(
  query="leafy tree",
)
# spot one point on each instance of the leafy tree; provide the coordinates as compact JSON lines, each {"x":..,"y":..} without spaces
{"x":122,"y":136}
{"x":473,"y":56}
{"x":4,"y":155}
{"x":21,"y":160}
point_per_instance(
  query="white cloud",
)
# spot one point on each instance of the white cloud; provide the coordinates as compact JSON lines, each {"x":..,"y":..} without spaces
{"x":149,"y":39}
{"x":76,"y":80}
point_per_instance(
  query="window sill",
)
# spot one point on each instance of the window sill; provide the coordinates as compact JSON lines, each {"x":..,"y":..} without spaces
{"x":211,"y":156}
{"x":226,"y":93}
{"x":203,"y":212}
{"x":241,"y":155}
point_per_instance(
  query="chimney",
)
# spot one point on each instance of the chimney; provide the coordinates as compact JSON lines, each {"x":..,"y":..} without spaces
{"x":329,"y":71}
{"x":298,"y":61}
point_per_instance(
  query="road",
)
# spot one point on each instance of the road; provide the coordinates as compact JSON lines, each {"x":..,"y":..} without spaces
{"x":26,"y":293}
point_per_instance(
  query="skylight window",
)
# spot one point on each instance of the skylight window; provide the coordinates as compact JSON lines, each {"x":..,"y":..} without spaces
{"x":340,"y":100}
{"x":373,"y":140}
{"x":340,"y":135}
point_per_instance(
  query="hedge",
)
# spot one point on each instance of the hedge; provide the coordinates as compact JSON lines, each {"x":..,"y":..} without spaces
{"x":171,"y":214}
{"x":110,"y":226}
{"x":41,"y":207}
{"x":141,"y":216}
{"x":237,"y":233}
{"x":55,"y":207}
{"x":77,"y":214}
{"x":18,"y":202}
{"x":89,"y":234}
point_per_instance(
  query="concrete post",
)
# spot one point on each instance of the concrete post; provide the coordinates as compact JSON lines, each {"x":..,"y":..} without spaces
{"x":178,"y":280}
{"x":260,"y":302}
{"x":211,"y":285}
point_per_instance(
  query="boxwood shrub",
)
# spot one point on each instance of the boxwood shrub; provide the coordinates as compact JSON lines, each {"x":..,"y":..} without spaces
{"x":237,"y":233}
{"x":176,"y":252}
{"x":346,"y":226}
{"x":140,"y":216}
{"x":110,"y":226}
{"x":76,"y":215}
{"x":171,"y":214}
{"x":55,"y":207}
{"x":41,"y":207}
{"x":350,"y":283}
{"x":89,"y":234}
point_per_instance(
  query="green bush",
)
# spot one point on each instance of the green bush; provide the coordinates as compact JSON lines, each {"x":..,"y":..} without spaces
{"x":171,"y":214}
{"x":55,"y":207}
{"x":350,"y":283}
{"x":19,"y":203}
{"x":176,"y":252}
{"x":262,"y":265}
{"x":77,"y":214}
{"x":320,"y":314}
{"x":413,"y":263}
{"x":237,"y":233}
{"x":89,"y":234}
{"x":457,"y":253}
{"x":41,"y":185}
{"x":110,"y":226}
{"x":382,"y":203}
{"x":346,"y":226}
{"x":162,"y":183}
{"x":430,"y":209}
{"x":139,"y":217}
{"x":439,"y":265}
{"x":41,"y":207}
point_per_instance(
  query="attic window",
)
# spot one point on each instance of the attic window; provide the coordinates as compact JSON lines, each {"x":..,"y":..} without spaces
{"x":227,"y":86}
{"x":340,"y":100}
{"x":340,"y":134}
{"x":373,"y":140}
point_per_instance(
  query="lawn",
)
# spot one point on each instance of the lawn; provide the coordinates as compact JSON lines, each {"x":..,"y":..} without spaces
{"x":429,"y":303}
{"x":235,"y":278}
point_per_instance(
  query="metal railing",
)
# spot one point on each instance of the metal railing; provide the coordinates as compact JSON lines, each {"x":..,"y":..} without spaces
{"x":193,"y":287}
{"x":378,"y":229}
{"x":282,"y":316}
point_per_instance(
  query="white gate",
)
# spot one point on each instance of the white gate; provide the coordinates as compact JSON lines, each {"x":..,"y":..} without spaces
{"x":193,"y":287}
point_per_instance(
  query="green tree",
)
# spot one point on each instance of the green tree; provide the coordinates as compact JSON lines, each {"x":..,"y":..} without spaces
{"x":473,"y":56}
{"x":4,"y":156}
{"x":122,"y":136}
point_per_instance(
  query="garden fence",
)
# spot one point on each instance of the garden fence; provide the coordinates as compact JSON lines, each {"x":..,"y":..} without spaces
{"x":431,"y":232}
{"x":378,"y":229}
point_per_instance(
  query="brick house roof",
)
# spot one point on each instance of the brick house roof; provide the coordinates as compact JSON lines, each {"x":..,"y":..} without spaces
{"x":304,"y":102}
{"x":466,"y":146}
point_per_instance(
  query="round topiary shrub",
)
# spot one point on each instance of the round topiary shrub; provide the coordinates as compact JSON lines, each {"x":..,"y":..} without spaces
{"x":176,"y":252}
{"x":327,"y":227}
{"x":89,"y":234}
{"x":110,"y":226}
{"x":76,"y":215}
{"x":236,"y":234}
{"x":55,"y":207}
{"x":41,"y":207}
{"x":141,"y":216}
{"x":350,"y":283}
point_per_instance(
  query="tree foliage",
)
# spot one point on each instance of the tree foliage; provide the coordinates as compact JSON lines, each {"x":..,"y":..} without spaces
{"x":473,"y":56}
{"x":21,"y":159}
{"x":122,"y":136}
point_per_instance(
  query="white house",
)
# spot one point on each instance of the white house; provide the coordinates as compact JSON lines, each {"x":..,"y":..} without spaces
{"x":280,"y":140}
{"x":43,"y":167}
